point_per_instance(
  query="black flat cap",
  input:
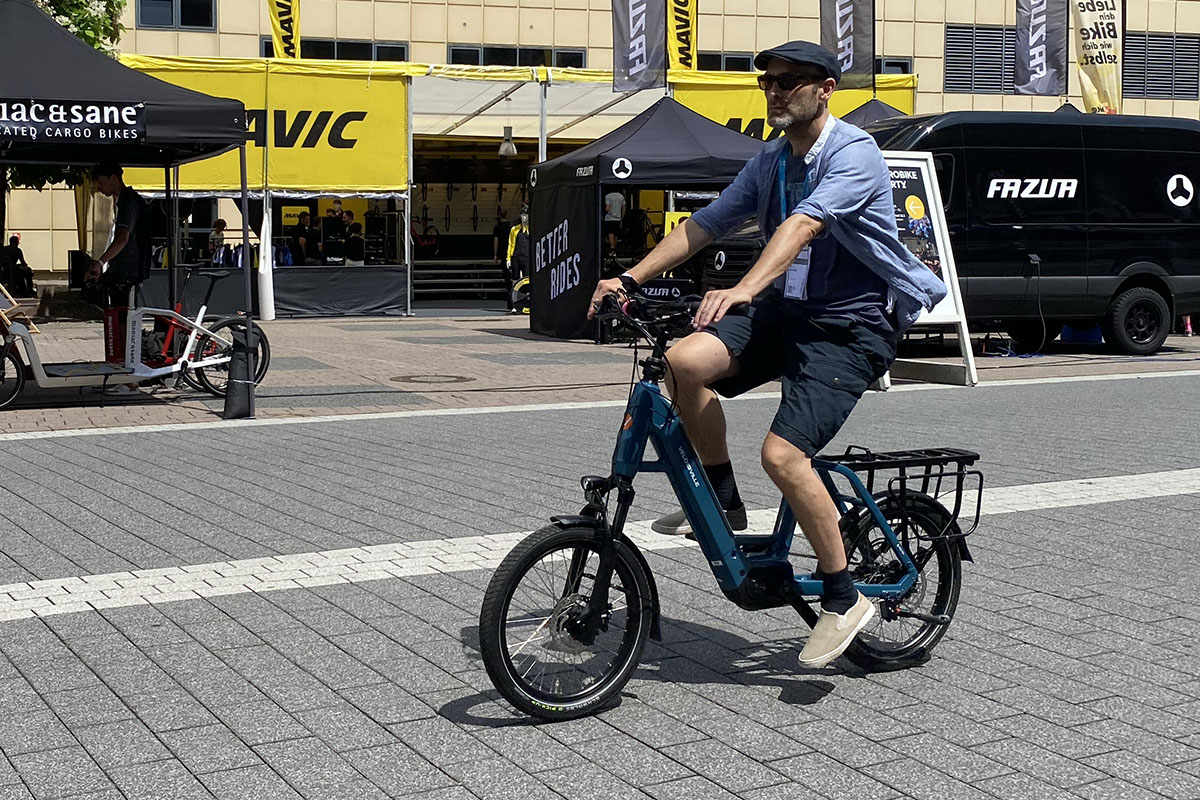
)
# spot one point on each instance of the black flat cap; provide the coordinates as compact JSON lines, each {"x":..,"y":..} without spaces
{"x":802,"y":53}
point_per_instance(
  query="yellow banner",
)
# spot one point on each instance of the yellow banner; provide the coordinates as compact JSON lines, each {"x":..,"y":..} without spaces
{"x":1099,"y":27}
{"x":314,"y":126}
{"x":743,"y":107}
{"x":681,"y":34}
{"x":285,"y":27}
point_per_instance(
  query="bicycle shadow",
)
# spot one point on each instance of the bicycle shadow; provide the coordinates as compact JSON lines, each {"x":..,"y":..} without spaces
{"x":690,"y":654}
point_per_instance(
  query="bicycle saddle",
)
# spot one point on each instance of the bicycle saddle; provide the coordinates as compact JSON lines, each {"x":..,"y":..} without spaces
{"x":218,"y":273}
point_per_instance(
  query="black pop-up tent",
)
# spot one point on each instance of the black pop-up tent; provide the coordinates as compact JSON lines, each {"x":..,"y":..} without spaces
{"x":63,"y":102}
{"x":873,"y":110}
{"x":667,"y":146}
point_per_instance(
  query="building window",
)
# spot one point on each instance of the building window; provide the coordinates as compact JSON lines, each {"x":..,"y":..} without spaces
{"x":979,"y":59}
{"x":725,"y":62}
{"x":179,"y":14}
{"x":344,"y":49}
{"x":1161,"y":66}
{"x":489,"y":55}
{"x":889,"y":65}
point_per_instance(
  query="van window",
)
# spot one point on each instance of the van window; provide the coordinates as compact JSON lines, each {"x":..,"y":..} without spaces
{"x":943,"y":165}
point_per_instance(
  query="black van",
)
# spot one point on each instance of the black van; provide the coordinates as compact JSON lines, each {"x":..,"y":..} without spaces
{"x":1067,"y":218}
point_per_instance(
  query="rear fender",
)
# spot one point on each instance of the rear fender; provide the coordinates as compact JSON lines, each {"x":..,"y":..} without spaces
{"x":597,"y":524}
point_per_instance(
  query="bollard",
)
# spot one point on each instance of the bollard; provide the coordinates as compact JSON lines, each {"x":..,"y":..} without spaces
{"x":239,"y":390}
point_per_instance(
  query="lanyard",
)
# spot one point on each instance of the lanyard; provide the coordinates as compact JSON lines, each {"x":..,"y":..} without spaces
{"x":782,"y":170}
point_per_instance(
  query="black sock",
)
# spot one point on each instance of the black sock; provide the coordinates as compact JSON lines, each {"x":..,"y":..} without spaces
{"x":723,"y":483}
{"x":840,"y":593}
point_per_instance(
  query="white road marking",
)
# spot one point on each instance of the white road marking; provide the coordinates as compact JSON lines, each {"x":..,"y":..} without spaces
{"x":530,"y":408}
{"x":378,"y":562}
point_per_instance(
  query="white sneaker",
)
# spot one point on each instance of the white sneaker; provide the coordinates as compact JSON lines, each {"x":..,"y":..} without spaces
{"x":122,"y":390}
{"x":833,"y":633}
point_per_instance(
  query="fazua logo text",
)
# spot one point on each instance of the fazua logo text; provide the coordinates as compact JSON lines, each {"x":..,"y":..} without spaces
{"x":1033,"y":188}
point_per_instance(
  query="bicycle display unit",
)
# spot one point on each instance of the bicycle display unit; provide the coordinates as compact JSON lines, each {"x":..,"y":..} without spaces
{"x":569,"y":610}
{"x":196,"y":350}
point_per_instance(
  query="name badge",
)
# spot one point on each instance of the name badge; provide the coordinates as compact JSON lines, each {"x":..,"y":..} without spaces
{"x":795,"y":286}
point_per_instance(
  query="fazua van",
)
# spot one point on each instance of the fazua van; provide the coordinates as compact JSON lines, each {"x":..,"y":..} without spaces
{"x":1066,"y":217}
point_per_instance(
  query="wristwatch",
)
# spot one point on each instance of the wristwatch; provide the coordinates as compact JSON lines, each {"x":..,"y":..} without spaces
{"x":628,"y":282}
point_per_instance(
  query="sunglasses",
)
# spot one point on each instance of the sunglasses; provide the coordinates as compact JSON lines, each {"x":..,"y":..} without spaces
{"x":787,"y":81}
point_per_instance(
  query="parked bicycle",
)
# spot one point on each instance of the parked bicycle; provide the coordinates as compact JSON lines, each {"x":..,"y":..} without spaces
{"x":568,"y":612}
{"x":197,"y":350}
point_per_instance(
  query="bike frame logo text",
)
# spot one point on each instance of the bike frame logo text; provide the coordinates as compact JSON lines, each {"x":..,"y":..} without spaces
{"x":1033,"y":188}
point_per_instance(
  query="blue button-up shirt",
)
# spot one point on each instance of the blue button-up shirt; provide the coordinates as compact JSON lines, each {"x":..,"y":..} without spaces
{"x":851,"y":193}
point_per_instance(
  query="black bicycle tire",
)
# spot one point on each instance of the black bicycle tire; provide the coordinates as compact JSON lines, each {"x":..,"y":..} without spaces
{"x":264,"y":360}
{"x":494,"y":610}
{"x":928,"y":514}
{"x":14,"y":371}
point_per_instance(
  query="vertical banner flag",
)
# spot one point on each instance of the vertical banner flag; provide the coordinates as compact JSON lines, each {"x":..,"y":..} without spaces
{"x":848,"y":31}
{"x":681,"y":34}
{"x":639,"y":45}
{"x":1041,"y":66}
{"x":1099,"y":30}
{"x":285,"y":27}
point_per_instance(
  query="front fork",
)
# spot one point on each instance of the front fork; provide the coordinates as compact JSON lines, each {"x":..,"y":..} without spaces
{"x":595,"y":618}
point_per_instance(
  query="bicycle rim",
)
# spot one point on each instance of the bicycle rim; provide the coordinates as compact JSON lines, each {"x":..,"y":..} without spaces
{"x":541,"y":654}
{"x":902,"y":640}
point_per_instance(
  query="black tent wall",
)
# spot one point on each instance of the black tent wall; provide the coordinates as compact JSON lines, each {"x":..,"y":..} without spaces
{"x":564,"y":226}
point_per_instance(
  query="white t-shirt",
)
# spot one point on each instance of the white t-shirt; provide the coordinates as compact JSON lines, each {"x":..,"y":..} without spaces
{"x":614,"y":207}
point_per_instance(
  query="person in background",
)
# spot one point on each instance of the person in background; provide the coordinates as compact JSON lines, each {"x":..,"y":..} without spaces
{"x":306,"y":241}
{"x":500,"y":234}
{"x":22,"y":275}
{"x":356,"y":246}
{"x":125,"y":263}
{"x":216,"y":239}
{"x":1187,"y":324}
{"x":517,"y":261}
{"x":614,"y":214}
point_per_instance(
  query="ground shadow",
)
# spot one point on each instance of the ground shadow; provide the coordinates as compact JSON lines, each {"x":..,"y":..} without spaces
{"x":690,"y":654}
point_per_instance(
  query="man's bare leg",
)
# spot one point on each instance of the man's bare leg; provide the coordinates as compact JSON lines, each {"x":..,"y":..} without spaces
{"x":696,"y":362}
{"x":844,"y":611}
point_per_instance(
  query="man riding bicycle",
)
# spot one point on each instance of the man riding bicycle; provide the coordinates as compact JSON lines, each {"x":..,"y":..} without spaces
{"x":828,"y":298}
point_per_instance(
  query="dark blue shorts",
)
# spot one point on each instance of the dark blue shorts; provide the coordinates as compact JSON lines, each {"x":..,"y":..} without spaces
{"x":825,"y":364}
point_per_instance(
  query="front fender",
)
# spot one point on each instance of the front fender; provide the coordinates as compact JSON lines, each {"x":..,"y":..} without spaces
{"x":580,"y":521}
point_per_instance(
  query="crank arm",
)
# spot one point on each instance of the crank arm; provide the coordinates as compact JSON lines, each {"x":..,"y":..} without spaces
{"x":936,"y":619}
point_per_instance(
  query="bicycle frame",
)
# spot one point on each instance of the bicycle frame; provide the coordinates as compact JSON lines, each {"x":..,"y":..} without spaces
{"x":650,"y":418}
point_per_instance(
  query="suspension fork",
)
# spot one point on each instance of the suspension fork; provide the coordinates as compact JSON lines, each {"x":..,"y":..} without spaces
{"x":595,"y":618}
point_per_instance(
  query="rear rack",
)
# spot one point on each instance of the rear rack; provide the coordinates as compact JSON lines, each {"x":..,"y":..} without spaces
{"x":936,"y":472}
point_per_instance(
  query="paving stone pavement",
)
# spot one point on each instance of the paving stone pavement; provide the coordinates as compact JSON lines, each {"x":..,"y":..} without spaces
{"x":355,"y":366}
{"x":1071,"y":668}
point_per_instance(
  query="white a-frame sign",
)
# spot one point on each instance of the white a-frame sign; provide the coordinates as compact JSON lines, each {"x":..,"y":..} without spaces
{"x":921,"y":224}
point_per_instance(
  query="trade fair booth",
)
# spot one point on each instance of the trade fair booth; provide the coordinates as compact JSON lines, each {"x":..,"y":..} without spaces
{"x":345,"y":129}
{"x":667,"y":147}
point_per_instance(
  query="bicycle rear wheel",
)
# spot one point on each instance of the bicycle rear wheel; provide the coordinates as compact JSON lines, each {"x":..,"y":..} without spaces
{"x":215,"y":378}
{"x":531,"y":647}
{"x":890,"y":641}
{"x":12,"y":377}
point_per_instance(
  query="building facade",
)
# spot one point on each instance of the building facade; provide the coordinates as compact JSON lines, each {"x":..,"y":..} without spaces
{"x":961,"y":50}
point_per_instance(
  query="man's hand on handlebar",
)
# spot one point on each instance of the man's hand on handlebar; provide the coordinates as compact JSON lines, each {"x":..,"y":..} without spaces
{"x":716,"y":305}
{"x":603,"y":290}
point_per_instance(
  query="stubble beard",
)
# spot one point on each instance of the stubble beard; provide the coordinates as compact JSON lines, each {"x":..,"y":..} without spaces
{"x":797,"y":116}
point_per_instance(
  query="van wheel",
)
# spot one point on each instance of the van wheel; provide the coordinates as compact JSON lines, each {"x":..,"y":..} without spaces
{"x":1137,"y":322}
{"x":1030,"y":335}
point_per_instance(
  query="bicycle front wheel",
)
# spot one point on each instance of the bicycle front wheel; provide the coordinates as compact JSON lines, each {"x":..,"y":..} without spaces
{"x":533,"y":649}
{"x":215,"y":378}
{"x":892,"y":640}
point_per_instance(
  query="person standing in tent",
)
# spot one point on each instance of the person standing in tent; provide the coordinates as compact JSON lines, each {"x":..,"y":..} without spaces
{"x":614,"y":214}
{"x":827,"y":300}
{"x":517,"y":261}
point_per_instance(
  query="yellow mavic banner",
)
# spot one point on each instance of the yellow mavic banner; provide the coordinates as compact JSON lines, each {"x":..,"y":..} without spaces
{"x":319,"y":126}
{"x":285,"y":27}
{"x":335,"y":131}
{"x":681,"y":33}
{"x":741,"y":105}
